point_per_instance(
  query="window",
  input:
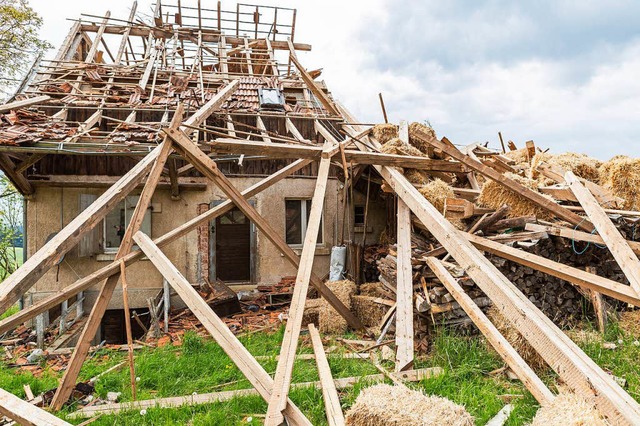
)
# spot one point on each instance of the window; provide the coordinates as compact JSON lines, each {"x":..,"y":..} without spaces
{"x":117,"y":221}
{"x":358,"y":216}
{"x":297,"y":212}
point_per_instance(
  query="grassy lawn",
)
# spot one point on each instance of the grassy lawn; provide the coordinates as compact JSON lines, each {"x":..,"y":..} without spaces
{"x":199,"y":365}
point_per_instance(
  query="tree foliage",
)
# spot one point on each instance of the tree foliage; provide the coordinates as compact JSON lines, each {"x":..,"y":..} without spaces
{"x":19,"y":41}
{"x":11,"y":227}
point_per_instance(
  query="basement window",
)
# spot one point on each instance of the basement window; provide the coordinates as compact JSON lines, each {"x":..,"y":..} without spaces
{"x":297,"y":217}
{"x":116,"y":222}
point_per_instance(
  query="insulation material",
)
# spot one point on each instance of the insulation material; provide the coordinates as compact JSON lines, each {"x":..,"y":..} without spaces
{"x":418,"y":143}
{"x":494,"y":195}
{"x":397,"y":147}
{"x":568,"y":409}
{"x":383,"y":405}
{"x":516,"y":340}
{"x":330,"y":321}
{"x":384,"y":132}
{"x":622,"y":176}
{"x":436,"y":192}
{"x":581,"y":165}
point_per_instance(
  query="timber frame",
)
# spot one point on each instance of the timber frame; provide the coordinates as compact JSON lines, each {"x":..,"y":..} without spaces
{"x":190,"y":75}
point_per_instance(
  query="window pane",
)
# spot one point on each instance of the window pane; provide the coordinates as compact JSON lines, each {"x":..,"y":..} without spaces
{"x":358,"y":219}
{"x":114,"y":227}
{"x":293,"y":225}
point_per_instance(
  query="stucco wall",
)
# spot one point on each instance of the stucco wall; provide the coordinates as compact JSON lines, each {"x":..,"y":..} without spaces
{"x":52,"y":208}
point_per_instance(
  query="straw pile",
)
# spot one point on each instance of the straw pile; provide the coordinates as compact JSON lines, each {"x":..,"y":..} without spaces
{"x":436,"y":192}
{"x":418,"y":143}
{"x":622,"y":176}
{"x":367,"y":311}
{"x":494,"y":195}
{"x":519,"y":156}
{"x":570,"y":410}
{"x":384,"y":132}
{"x":386,"y":405}
{"x":581,"y":165}
{"x":330,"y":321}
{"x":629,"y":322}
{"x":397,"y":147}
{"x":416,"y":176}
{"x":516,"y":340}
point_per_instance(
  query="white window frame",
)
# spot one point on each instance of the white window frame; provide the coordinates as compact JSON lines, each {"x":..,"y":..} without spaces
{"x":305,"y":219}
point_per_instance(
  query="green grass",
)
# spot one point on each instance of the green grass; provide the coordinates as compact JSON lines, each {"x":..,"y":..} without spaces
{"x":199,"y":365}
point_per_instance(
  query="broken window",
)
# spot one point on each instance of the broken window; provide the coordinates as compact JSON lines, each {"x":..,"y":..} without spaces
{"x":116,"y":222}
{"x":297,"y":216}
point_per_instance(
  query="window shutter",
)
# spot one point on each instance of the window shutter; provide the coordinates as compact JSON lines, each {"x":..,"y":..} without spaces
{"x":89,"y":244}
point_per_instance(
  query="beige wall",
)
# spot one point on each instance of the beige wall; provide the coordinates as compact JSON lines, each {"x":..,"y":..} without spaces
{"x":52,"y":208}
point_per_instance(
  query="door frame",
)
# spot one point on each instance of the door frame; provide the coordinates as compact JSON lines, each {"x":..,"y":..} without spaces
{"x":252,"y":247}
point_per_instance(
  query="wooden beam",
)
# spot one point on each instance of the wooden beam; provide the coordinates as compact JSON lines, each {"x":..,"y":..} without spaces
{"x":324,"y":99}
{"x":404,"y":293}
{"x":207,"y":109}
{"x":30,"y":161}
{"x":332,"y":406}
{"x":208,"y":168}
{"x":618,"y":246}
{"x":96,"y":41}
{"x":24,"y":103}
{"x":17,"y":179}
{"x":40,"y":262}
{"x":84,"y":283}
{"x":173,"y":178}
{"x":251,"y":369}
{"x":519,"y":366}
{"x":583,"y":375}
{"x":284,"y":370}
{"x":291,"y":128}
{"x":511,"y":184}
{"x":25,"y":413}
{"x":263,"y":129}
{"x":208,"y":398}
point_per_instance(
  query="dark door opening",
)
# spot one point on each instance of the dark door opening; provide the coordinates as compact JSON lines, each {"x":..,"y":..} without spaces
{"x":232,"y":243}
{"x":113,"y":330}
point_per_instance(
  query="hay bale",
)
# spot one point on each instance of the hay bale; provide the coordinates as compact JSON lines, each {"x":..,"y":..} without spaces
{"x":629,"y":322}
{"x":375,"y":289}
{"x":519,"y":156}
{"x":397,"y":147}
{"x":436,"y":192}
{"x":622,"y":176}
{"x":385,"y":405}
{"x":418,"y":143}
{"x":516,"y":340}
{"x":581,"y":165}
{"x":330,"y":321}
{"x":494,"y":195}
{"x":416,"y":176}
{"x":311,"y":313}
{"x":384,"y":132}
{"x":568,"y":409}
{"x":367,"y":311}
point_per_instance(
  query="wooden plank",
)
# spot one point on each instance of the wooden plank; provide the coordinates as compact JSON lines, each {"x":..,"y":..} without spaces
{"x":404,"y":291}
{"x":324,"y":99}
{"x":284,"y":370}
{"x":96,"y":41}
{"x":90,"y":329}
{"x":26,"y":413}
{"x":618,"y":246}
{"x":207,"y":109}
{"x":511,"y":184}
{"x":24,"y":103}
{"x":40,"y":262}
{"x":112,"y":268}
{"x":17,"y":179}
{"x":127,"y":323}
{"x":291,"y":128}
{"x":251,"y":369}
{"x":583,"y":375}
{"x":519,"y":366}
{"x":208,"y":398}
{"x":208,"y":168}
{"x":332,"y":407}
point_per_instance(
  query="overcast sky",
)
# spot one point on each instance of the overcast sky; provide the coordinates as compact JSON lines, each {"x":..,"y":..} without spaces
{"x":563,"y":73}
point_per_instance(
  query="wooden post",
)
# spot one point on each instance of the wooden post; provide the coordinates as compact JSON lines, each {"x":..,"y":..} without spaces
{"x":166,"y":294}
{"x":251,"y":369}
{"x":599,"y":304}
{"x":404,"y":291}
{"x":127,"y":323}
{"x":284,"y":370}
{"x":384,"y":110}
{"x":332,"y":407}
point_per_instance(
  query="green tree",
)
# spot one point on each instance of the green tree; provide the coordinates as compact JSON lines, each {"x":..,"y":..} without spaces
{"x":19,"y":41}
{"x":11,"y":226}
